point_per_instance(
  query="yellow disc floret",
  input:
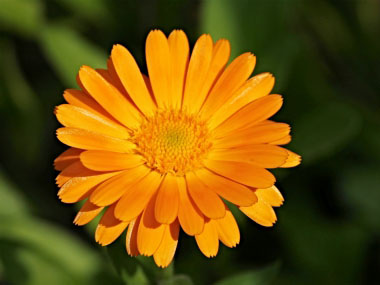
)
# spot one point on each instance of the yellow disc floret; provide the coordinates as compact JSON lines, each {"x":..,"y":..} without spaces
{"x":172,"y":141}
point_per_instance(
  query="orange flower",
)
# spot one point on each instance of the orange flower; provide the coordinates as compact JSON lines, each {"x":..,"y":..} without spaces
{"x":158,"y":153}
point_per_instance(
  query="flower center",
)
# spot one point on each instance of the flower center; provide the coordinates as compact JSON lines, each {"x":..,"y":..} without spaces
{"x":172,"y":141}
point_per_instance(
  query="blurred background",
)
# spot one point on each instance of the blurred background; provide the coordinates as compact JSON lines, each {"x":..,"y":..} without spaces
{"x":325,"y":55}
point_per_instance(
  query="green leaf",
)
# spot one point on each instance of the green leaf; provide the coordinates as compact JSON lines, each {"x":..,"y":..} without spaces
{"x":67,"y":51}
{"x":325,"y":130}
{"x":11,"y":202}
{"x":260,"y":276}
{"x":21,"y":16}
{"x":51,"y":243}
{"x":241,"y":22}
{"x":128,"y":268}
{"x":24,"y":265}
{"x":21,"y":108}
{"x":95,"y":10}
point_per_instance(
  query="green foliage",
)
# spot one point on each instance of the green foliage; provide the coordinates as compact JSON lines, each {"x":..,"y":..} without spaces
{"x":260,"y":276}
{"x":68,"y":51}
{"x":21,"y":16}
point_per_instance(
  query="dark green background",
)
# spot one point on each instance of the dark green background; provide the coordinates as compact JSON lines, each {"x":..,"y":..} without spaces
{"x":325,"y":56}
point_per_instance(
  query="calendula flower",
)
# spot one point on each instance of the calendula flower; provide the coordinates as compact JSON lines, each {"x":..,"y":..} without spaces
{"x":162,"y":152}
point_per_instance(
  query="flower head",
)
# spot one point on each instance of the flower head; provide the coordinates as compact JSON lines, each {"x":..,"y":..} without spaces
{"x":162,"y":152}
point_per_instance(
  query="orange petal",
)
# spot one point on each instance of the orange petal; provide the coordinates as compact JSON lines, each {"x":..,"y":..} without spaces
{"x":205,"y":65}
{"x":115,"y":77}
{"x":66,"y":158}
{"x":220,"y":56}
{"x":131,"y":77}
{"x":257,"y":134}
{"x":108,"y":161}
{"x":292,"y":160}
{"x":179,"y":52}
{"x":136,"y":198}
{"x":270,"y":195}
{"x":166,"y":250}
{"x":231,"y":79}
{"x":229,"y":190}
{"x":167,"y":201}
{"x":87,"y":213}
{"x":81,"y":99}
{"x":150,"y":232}
{"x":207,"y":200}
{"x":116,"y":83}
{"x":109,"y":97}
{"x":256,"y":111}
{"x":109,"y":227}
{"x":111,"y":190}
{"x":159,"y":67}
{"x":261,"y":212}
{"x":242,"y":172}
{"x":262,"y":155}
{"x":285,"y":140}
{"x":76,"y":117}
{"x":228,"y":230}
{"x":208,"y":241}
{"x":189,"y":216}
{"x":78,"y":188}
{"x":93,"y":141}
{"x":254,"y":88}
{"x":131,"y":239}
{"x":75,"y":169}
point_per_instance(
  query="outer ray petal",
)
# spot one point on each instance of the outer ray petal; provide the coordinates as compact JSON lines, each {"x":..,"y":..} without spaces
{"x":179,"y":52}
{"x":256,"y":87}
{"x":150,"y":232}
{"x":78,"y":188}
{"x":66,"y":158}
{"x":111,"y":80}
{"x":228,"y":230}
{"x":262,"y":155}
{"x":92,"y":141}
{"x":270,"y":195}
{"x":81,"y":99}
{"x":167,"y":201}
{"x":198,"y":70}
{"x":109,"y":228}
{"x":285,"y":140}
{"x":208,"y":241}
{"x":261,"y":212}
{"x":77,"y":117}
{"x":87,"y":213}
{"x":242,"y":172}
{"x":189,"y":216}
{"x":228,"y":189}
{"x":165,"y":252}
{"x":100,"y":160}
{"x":131,"y":238}
{"x":207,"y":200}
{"x":257,"y":134}
{"x":159,"y":67}
{"x":257,"y":111}
{"x":292,"y":160}
{"x":73,"y":170}
{"x":132,"y":80}
{"x":111,"y":190}
{"x":109,"y":97}
{"x":231,"y":79}
{"x":136,"y":198}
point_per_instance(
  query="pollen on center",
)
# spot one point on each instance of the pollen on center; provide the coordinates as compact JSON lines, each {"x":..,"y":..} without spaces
{"x":172,"y":141}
